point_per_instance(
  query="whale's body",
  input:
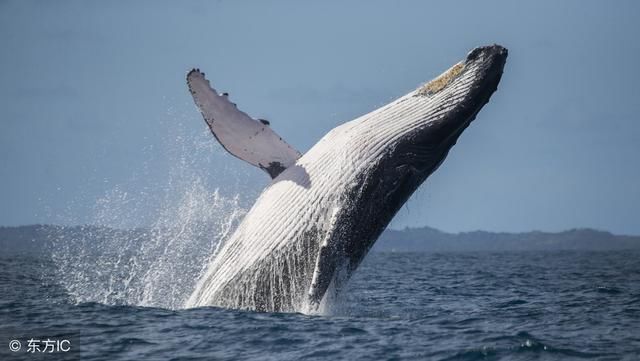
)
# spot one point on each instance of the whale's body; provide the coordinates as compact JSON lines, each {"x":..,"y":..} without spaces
{"x":314,"y":223}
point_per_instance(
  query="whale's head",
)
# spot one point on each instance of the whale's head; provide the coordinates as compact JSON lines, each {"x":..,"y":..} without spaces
{"x":429,"y":121}
{"x":444,"y":108}
{"x":410,"y":137}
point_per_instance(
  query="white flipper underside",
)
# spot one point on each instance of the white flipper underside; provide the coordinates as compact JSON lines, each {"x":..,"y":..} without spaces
{"x":249,"y":139}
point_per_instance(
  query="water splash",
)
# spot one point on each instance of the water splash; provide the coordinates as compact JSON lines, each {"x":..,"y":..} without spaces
{"x":156,"y":266}
{"x":148,"y":245}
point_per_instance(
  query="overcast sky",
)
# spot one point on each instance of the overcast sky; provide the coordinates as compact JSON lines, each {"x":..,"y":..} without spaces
{"x":93,"y":102}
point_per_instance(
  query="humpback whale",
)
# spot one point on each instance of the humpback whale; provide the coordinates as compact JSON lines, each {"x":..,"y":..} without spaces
{"x":322,"y":211}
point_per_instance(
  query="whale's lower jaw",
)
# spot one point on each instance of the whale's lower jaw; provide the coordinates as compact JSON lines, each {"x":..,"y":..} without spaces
{"x":312,"y":226}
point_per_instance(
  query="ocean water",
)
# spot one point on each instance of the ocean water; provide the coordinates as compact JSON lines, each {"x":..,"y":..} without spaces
{"x":452,"y":306}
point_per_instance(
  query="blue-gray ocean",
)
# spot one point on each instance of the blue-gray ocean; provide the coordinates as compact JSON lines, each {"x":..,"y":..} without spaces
{"x":449,"y":306}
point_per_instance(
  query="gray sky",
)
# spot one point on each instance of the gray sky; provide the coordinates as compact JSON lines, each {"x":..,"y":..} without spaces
{"x":93,"y":102}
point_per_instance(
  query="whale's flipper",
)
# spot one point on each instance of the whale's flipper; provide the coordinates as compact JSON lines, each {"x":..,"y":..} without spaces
{"x":251,"y":140}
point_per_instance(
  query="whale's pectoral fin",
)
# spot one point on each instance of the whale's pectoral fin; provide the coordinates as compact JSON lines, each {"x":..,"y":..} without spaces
{"x":251,"y":140}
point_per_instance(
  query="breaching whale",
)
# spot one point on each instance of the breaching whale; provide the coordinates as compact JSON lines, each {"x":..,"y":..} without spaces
{"x":314,"y":223}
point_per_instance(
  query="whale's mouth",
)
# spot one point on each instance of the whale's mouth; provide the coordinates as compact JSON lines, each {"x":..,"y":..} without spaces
{"x":451,"y":102}
{"x":463,"y":89}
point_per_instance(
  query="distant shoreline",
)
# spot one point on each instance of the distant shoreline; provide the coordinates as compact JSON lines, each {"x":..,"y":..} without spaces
{"x":34,"y":239}
{"x":432,"y":240}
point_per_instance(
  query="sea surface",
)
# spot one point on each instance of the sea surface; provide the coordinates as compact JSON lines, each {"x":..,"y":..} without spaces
{"x":399,"y":306}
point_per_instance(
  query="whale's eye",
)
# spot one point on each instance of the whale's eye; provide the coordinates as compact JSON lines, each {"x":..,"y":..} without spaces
{"x":442,"y":80}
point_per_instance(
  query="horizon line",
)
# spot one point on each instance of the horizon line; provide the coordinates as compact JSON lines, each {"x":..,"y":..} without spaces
{"x":406,"y":228}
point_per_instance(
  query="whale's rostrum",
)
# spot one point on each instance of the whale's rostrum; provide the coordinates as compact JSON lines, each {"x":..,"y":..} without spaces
{"x":314,"y":223}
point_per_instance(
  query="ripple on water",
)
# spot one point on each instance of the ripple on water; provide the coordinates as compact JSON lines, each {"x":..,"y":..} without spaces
{"x":564,"y":317}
